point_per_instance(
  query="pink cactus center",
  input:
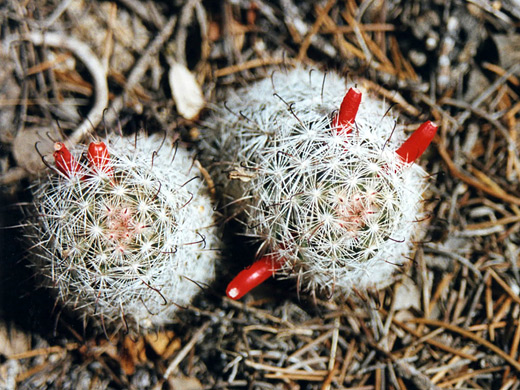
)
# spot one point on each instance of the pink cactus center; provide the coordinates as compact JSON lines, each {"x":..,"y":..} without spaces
{"x":355,"y":210}
{"x":121,"y":227}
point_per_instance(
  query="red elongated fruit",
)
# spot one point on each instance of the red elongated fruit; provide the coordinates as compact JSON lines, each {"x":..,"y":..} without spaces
{"x":415,"y":146}
{"x":64,"y":160}
{"x":98,"y":157}
{"x":253,"y":276}
{"x":348,"y":111}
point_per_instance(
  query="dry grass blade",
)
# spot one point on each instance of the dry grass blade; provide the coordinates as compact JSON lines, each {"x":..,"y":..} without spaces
{"x":455,"y":171}
{"x":197,"y":336}
{"x":256,"y":63}
{"x":393,"y":96}
{"x":140,"y":67}
{"x":468,"y":375}
{"x":471,"y":336}
{"x":315,"y":27}
{"x":44,"y":351}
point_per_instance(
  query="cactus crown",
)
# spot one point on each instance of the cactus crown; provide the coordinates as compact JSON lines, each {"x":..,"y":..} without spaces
{"x":330,"y":196}
{"x":124,"y":236}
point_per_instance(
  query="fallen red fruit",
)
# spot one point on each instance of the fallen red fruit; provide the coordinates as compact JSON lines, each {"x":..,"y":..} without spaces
{"x":251,"y":277}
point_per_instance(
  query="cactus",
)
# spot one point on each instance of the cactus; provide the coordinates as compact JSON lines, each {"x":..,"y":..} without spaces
{"x":332,"y":199}
{"x":123,"y":231}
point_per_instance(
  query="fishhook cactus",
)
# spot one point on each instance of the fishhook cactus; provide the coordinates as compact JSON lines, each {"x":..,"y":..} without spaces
{"x":327,"y":183}
{"x":124,"y":230}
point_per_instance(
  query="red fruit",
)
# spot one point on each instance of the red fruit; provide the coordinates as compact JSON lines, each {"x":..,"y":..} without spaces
{"x":64,"y":160}
{"x":98,"y":157}
{"x":415,"y":146}
{"x":348,"y":111}
{"x":251,"y":277}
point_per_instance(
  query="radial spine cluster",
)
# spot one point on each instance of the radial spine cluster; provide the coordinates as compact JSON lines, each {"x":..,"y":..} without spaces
{"x":124,"y":232}
{"x":333,"y":205}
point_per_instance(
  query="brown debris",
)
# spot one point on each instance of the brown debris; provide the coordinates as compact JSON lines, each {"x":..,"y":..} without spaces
{"x":458,"y":327}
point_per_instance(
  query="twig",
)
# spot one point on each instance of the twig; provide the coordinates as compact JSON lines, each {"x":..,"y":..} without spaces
{"x":91,"y":62}
{"x":455,"y":171}
{"x":484,"y":95}
{"x":504,"y":285}
{"x":32,"y":371}
{"x":256,"y":63}
{"x":197,"y":336}
{"x":140,"y":68}
{"x":467,"y":375}
{"x":44,"y":351}
{"x":55,"y":15}
{"x":435,"y":343}
{"x":258,"y":312}
{"x":501,"y":221}
{"x":182,"y":31}
{"x":483,"y":114}
{"x":316,"y":26}
{"x":363,"y":27}
{"x":143,"y":11}
{"x":207,"y":177}
{"x":421,"y":381}
{"x":335,"y":337}
{"x":486,"y":6}
{"x":393,"y":96}
{"x":351,"y":351}
{"x":435,"y":249}
{"x":360,"y":38}
{"x":317,"y":375}
{"x":501,"y":71}
{"x":471,"y":336}
{"x":310,"y":345}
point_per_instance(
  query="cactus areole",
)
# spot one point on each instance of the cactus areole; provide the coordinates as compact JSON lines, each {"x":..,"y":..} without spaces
{"x":123,"y":230}
{"x":327,"y":181}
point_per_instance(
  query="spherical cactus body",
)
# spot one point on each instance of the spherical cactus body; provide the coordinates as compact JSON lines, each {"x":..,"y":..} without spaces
{"x":123,"y":230}
{"x":326,"y":181}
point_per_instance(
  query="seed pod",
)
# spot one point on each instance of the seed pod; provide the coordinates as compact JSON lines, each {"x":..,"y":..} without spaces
{"x":98,"y":157}
{"x":326,"y":182}
{"x":65,"y":162}
{"x":129,"y":239}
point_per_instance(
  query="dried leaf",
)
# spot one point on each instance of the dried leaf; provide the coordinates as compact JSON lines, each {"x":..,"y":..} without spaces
{"x":186,"y":91}
{"x":13,"y":340}
{"x":242,"y":174}
{"x":129,"y":355}
{"x":407,"y":296}
{"x":185,"y":384}
{"x":24,"y":148}
{"x":164,"y":343}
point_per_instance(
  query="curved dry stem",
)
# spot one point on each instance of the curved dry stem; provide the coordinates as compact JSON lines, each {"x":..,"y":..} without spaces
{"x":94,"y":66}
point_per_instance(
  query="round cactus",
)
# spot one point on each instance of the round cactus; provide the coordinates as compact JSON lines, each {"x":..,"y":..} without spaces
{"x":325,"y":181}
{"x":124,"y":230}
